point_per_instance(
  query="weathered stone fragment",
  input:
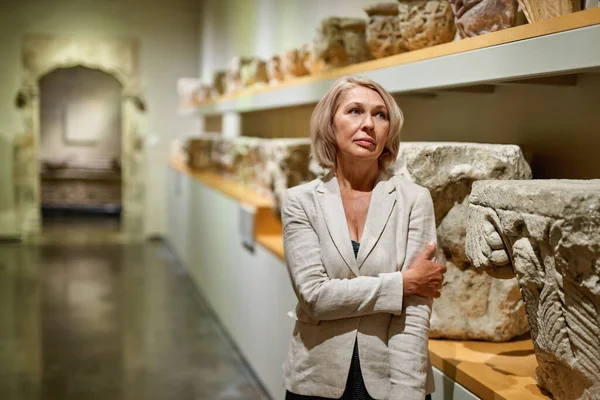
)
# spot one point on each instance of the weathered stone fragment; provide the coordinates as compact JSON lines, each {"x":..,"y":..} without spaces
{"x":292,"y":63}
{"x":425,"y":23}
{"x":547,"y":233}
{"x":219,"y":77}
{"x":233,"y":81}
{"x":473,"y":305}
{"x":287,"y":165}
{"x":538,"y":10}
{"x":275,"y":70}
{"x":478,"y":17}
{"x":383,"y":30}
{"x":355,"y":40}
{"x":199,"y":149}
{"x":254,"y":72}
{"x":328,"y":44}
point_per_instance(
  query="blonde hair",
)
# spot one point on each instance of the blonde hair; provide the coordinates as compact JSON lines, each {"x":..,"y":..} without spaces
{"x":324,"y":144}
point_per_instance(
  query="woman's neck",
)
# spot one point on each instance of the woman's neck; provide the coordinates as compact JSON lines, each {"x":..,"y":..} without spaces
{"x":356,"y":176}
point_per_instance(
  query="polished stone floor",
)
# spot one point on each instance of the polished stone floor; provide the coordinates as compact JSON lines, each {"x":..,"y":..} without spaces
{"x":83,"y":316}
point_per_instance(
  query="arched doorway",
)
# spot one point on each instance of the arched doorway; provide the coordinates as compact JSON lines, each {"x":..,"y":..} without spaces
{"x":80,"y":143}
{"x":115,"y":57}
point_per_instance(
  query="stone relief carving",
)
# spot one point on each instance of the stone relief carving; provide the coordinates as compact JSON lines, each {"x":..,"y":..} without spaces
{"x":275,"y":70}
{"x":537,"y":10}
{"x":328,"y":44}
{"x":254,"y":72}
{"x":383,"y":30}
{"x":118,"y":57}
{"x":233,"y":80}
{"x":479,"y":17}
{"x":425,"y":23}
{"x":473,"y":305}
{"x":287,"y":165}
{"x":547,"y":233}
{"x":293,"y":62}
{"x":355,"y":40}
{"x":219,"y":81}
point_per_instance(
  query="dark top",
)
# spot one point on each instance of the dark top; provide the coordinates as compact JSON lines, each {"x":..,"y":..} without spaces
{"x":355,"y":385}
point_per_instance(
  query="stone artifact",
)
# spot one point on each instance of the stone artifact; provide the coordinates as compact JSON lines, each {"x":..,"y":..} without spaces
{"x":355,"y":40}
{"x":219,"y":78}
{"x":198,"y":150}
{"x":190,"y":91}
{"x":275,"y":70}
{"x":293,"y":63}
{"x":287,"y":165}
{"x":537,"y":10}
{"x":328,"y":44}
{"x":254,"y":72}
{"x":222,"y":156}
{"x":473,"y":304}
{"x":478,"y":17}
{"x":313,"y":63}
{"x":425,"y":23}
{"x":383,"y":30}
{"x":547,"y":233}
{"x":246,"y":160}
{"x":233,"y":80}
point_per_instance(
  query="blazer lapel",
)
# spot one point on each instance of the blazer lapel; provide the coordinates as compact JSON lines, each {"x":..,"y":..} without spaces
{"x":380,"y":208}
{"x":335,"y":219}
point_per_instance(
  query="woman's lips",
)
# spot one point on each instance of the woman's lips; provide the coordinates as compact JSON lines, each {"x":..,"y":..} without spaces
{"x":365,"y":142}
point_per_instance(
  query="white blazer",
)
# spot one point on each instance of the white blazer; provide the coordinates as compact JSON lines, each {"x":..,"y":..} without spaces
{"x":342,"y":298}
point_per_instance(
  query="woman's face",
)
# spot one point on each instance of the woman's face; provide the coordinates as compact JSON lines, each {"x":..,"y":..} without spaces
{"x":361,"y":124}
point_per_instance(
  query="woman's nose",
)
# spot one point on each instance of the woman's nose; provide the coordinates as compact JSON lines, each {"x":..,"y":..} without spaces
{"x":368,"y":122}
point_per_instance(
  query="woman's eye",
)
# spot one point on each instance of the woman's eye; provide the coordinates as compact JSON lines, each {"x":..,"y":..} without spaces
{"x":382,"y":115}
{"x":354,"y":111}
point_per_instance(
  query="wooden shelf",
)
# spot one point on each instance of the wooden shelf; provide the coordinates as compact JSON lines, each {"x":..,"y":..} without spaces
{"x":226,"y":186}
{"x":556,"y":46}
{"x":490,"y":370}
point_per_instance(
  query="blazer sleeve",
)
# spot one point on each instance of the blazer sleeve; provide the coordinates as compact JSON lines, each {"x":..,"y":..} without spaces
{"x":321,"y":297}
{"x":409,"y":332}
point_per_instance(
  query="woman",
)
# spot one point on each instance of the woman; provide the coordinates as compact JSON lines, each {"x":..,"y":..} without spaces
{"x":358,"y":244}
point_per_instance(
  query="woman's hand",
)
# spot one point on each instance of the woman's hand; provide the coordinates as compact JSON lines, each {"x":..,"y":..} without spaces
{"x":423,"y":276}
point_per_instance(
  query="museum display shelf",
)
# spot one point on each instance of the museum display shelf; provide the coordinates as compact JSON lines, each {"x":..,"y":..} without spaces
{"x":557,"y":46}
{"x":489,"y":370}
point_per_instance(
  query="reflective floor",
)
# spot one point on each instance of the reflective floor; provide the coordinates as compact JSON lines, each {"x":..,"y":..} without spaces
{"x":83,"y":316}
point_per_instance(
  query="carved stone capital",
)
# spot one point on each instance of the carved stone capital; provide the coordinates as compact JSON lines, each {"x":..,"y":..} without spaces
{"x":547,"y":233}
{"x":473,"y":305}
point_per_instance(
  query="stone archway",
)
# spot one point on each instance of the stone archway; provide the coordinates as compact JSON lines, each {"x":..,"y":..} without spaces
{"x":117,"y":57}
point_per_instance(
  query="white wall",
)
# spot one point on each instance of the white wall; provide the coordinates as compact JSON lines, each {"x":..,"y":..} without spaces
{"x":263,"y":27}
{"x":167,"y":32}
{"x":80,"y":103}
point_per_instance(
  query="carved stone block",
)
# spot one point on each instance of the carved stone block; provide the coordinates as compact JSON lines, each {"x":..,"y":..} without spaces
{"x":233,"y":80}
{"x":192,"y":92}
{"x":538,"y":10}
{"x":287,"y":165}
{"x":254,"y":72}
{"x":547,"y":233}
{"x":473,"y":305}
{"x":293,"y":62}
{"x":383,"y":30}
{"x":219,"y":81}
{"x":247,"y":160}
{"x":478,"y":17}
{"x":275,"y":70}
{"x":328,"y":44}
{"x":355,"y":40}
{"x":425,"y":23}
{"x":199,"y":149}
